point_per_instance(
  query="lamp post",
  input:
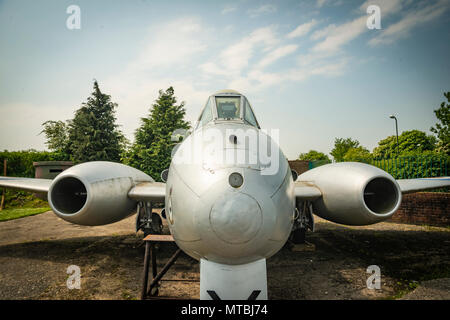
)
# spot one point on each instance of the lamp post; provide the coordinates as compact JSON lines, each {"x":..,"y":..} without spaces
{"x":396,"y":129}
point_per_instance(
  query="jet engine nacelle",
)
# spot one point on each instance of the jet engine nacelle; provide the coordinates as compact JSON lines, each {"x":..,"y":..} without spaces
{"x":95,"y":193}
{"x":354,"y":193}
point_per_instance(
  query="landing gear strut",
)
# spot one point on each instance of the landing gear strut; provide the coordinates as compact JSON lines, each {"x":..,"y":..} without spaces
{"x":304,"y":220}
{"x":146,"y":220}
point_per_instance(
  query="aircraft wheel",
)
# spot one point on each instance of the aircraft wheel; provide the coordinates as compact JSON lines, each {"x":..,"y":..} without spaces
{"x":156,"y":223}
{"x":298,"y":236}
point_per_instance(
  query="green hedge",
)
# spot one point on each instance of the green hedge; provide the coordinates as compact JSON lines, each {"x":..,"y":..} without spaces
{"x":406,"y":167}
{"x":20,"y":163}
{"x":410,"y":167}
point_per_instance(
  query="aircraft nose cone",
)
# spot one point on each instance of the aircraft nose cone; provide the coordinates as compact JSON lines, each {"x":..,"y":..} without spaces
{"x":236,"y":218}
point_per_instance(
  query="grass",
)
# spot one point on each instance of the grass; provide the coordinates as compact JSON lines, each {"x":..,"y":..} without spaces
{"x":16,"y":213}
{"x":20,"y":204}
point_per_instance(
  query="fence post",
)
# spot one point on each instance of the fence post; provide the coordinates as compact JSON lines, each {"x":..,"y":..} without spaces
{"x":4,"y":189}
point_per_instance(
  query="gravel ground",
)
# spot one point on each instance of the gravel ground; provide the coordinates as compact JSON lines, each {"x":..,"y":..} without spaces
{"x":36,"y":251}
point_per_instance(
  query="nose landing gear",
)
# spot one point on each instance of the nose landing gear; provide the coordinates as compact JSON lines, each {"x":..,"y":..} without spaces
{"x":304,"y":221}
{"x":146,"y":220}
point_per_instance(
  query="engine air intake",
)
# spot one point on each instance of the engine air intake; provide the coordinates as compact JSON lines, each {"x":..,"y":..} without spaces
{"x":69,"y":195}
{"x":380,"y":195}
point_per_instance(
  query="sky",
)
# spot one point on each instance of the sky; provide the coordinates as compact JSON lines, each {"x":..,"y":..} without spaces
{"x":311,"y":69}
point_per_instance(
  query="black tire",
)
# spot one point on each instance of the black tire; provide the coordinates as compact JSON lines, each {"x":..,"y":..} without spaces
{"x":298,"y":236}
{"x":156,"y":223}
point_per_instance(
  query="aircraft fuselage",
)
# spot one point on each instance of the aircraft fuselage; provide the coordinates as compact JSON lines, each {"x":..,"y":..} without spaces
{"x":223,"y":203}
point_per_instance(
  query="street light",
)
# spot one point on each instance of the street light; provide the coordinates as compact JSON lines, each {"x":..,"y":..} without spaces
{"x":396,"y":129}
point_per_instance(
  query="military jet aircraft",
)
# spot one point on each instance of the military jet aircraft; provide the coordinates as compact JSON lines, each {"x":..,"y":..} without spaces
{"x":231,"y":200}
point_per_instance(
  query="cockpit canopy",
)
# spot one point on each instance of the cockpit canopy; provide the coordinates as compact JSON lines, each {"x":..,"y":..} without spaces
{"x":227,"y":105}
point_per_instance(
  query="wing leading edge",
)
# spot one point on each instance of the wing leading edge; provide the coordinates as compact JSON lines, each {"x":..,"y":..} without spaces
{"x":148,"y":191}
{"x":306,"y":191}
{"x":27,"y":184}
{"x":414,"y":185}
{"x":144,"y":191}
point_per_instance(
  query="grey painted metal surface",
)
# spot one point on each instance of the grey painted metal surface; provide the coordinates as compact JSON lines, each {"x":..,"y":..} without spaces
{"x":233,"y":282}
{"x":95,"y":193}
{"x":148,"y":191}
{"x":27,"y":184}
{"x":306,"y":191}
{"x":210,"y":219}
{"x":414,"y":185}
{"x":353,"y":193}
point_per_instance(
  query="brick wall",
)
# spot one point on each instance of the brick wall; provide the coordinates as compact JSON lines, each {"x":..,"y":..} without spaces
{"x":430,"y":208}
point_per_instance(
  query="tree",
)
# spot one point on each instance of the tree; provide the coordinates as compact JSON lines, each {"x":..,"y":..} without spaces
{"x":57,"y":136}
{"x":341,"y":146}
{"x":93,"y":134}
{"x":151,"y":151}
{"x":313,"y":155}
{"x":409,"y":142}
{"x":442,"y":129}
{"x":358,"y":154}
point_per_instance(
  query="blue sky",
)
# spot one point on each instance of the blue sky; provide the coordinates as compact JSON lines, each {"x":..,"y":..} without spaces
{"x":311,"y":69}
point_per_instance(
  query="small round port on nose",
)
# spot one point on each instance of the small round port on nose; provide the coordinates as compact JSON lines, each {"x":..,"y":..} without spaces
{"x":236,"y":180}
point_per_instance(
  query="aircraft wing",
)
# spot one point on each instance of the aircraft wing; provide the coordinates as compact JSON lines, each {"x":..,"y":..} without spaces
{"x":148,"y":191}
{"x":414,"y":185}
{"x":144,"y":191}
{"x":27,"y":184}
{"x":306,"y":191}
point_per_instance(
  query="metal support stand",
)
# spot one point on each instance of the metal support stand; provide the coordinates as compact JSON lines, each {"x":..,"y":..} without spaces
{"x":150,"y":254}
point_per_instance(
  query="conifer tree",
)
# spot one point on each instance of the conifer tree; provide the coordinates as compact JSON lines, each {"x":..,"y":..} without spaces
{"x":93,"y":134}
{"x":151,"y":151}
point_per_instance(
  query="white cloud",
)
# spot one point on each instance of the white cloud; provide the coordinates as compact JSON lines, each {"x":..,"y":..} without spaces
{"x":338,"y":36}
{"x":264,"y":9}
{"x":320,"y":3}
{"x":235,"y":58}
{"x":228,"y":9}
{"x":239,"y":65}
{"x":257,"y":80}
{"x":182,"y":59}
{"x":276,"y":54}
{"x":322,"y":33}
{"x":171,"y":43}
{"x":409,"y":21}
{"x":302,"y":29}
{"x":387,"y":7}
{"x":169,"y":57}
